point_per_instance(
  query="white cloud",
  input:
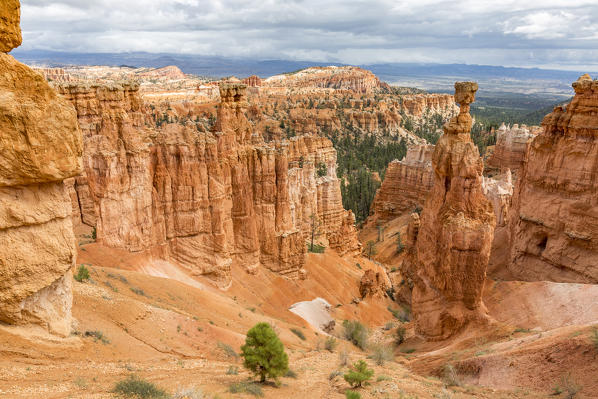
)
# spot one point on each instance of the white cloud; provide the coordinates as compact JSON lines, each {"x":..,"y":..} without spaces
{"x":355,"y":31}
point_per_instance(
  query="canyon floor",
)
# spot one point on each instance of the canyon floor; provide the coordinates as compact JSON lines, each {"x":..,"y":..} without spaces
{"x":177,"y":331}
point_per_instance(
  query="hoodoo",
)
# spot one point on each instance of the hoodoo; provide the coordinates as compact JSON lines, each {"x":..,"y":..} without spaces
{"x":554,"y":217}
{"x":40,"y":146}
{"x":452,"y":247}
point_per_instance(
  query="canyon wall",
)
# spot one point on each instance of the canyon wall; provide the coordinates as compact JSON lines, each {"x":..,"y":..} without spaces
{"x":406,"y":184}
{"x":418,"y":105}
{"x":511,"y":146}
{"x":554,"y":217}
{"x":203,"y":199}
{"x":40,"y":146}
{"x":454,"y":237}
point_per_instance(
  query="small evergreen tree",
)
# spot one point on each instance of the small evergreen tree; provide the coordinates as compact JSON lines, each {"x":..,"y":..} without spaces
{"x":400,"y":246}
{"x":358,"y":374}
{"x":263,"y":353}
{"x":322,"y":169}
{"x":370,"y":249}
{"x":314,"y":231}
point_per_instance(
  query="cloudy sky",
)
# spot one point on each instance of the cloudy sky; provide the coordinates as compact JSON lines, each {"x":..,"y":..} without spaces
{"x":544,"y":33}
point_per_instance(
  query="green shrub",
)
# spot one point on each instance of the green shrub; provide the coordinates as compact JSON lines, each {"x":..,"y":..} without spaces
{"x":400,"y":335}
{"x":334,"y":374}
{"x":138,"y":291}
{"x":401,"y":314}
{"x":263,"y":353}
{"x":228,"y":350}
{"x":352,"y":395}
{"x":298,"y":333}
{"x":322,"y":169}
{"x":380,"y":354}
{"x":290,"y":374}
{"x":316,"y":249}
{"x":356,"y":332}
{"x":135,"y":387}
{"x":382,"y":378}
{"x":407,"y":350}
{"x":330,"y":344}
{"x":358,"y":374}
{"x":97,"y":336}
{"x":246,"y":387}
{"x":82,"y":274}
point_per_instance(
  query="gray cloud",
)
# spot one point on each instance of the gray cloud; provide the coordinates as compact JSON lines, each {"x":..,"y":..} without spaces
{"x":545,"y":33}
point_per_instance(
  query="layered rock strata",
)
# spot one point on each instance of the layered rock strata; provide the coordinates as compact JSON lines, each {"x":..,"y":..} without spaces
{"x":511,"y":146}
{"x":40,"y":146}
{"x":204,"y":199}
{"x":452,"y":247}
{"x":554,"y":224}
{"x":406,"y":184}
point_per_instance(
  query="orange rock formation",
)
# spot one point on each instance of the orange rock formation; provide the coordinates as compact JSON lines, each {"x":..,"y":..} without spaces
{"x":406,"y":184}
{"x":40,"y":146}
{"x":449,"y":261}
{"x":204,"y":199}
{"x":511,"y":146}
{"x":554,"y":224}
{"x":373,"y":283}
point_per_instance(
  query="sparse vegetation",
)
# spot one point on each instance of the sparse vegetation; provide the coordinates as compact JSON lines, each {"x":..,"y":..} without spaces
{"x":407,"y":350}
{"x":356,"y":332}
{"x":138,"y":291}
{"x":82,"y":274}
{"x":343,"y":358}
{"x":450,"y":377}
{"x":567,"y":386}
{"x":298,"y":333}
{"x":400,"y":335}
{"x":380,"y":354}
{"x":401,"y":314}
{"x":370,"y":249}
{"x":135,"y":387}
{"x":228,"y":350}
{"x":97,"y":336}
{"x":359,"y":374}
{"x":263,"y":353}
{"x":400,"y":246}
{"x":189,"y":393}
{"x":232,"y":370}
{"x":330,"y":344}
{"x":322,"y":169}
{"x":316,"y":249}
{"x":383,"y":377}
{"x":246,"y":387}
{"x":352,"y":395}
{"x":334,"y":374}
{"x":389,"y":326}
{"x":290,"y":374}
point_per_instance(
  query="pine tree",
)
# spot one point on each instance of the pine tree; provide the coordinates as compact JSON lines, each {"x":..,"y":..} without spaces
{"x":263,"y":353}
{"x":358,"y":374}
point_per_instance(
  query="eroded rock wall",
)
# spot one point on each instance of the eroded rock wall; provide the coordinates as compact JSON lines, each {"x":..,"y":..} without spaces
{"x":554,"y":217}
{"x":204,"y":199}
{"x":406,"y":184}
{"x":511,"y":146}
{"x":40,"y":146}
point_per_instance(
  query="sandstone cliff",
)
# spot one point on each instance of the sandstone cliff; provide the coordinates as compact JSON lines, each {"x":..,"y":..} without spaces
{"x":452,"y":247}
{"x":203,"y":199}
{"x":554,"y":217}
{"x":40,"y":146}
{"x":406,"y":184}
{"x":511,"y":146}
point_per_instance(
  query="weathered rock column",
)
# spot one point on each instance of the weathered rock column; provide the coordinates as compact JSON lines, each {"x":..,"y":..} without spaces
{"x":40,"y":146}
{"x":455,"y":236}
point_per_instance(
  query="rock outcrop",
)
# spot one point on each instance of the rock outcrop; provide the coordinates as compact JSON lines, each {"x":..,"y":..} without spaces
{"x":554,"y":217}
{"x":452,"y":248}
{"x":373,"y":283}
{"x":406,"y":184}
{"x":511,"y":146}
{"x":418,"y":105}
{"x":204,"y":200}
{"x":40,"y":146}
{"x":332,"y":77}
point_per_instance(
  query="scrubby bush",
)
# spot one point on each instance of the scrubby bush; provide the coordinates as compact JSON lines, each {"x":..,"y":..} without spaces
{"x":380,"y":354}
{"x":356,"y":332}
{"x":330,"y":344}
{"x":298,"y":333}
{"x":97,"y":336}
{"x":228,"y":350}
{"x":343,"y":357}
{"x":246,"y":387}
{"x":400,"y":335}
{"x":136,"y":387}
{"x":450,"y":377}
{"x":359,"y":374}
{"x":352,"y":395}
{"x":322,"y":169}
{"x":82,"y":274}
{"x":263,"y":353}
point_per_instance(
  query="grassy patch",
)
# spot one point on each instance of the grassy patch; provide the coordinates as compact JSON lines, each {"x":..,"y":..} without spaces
{"x":330,"y":344}
{"x":135,"y":387}
{"x":352,"y":394}
{"x":356,"y":332}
